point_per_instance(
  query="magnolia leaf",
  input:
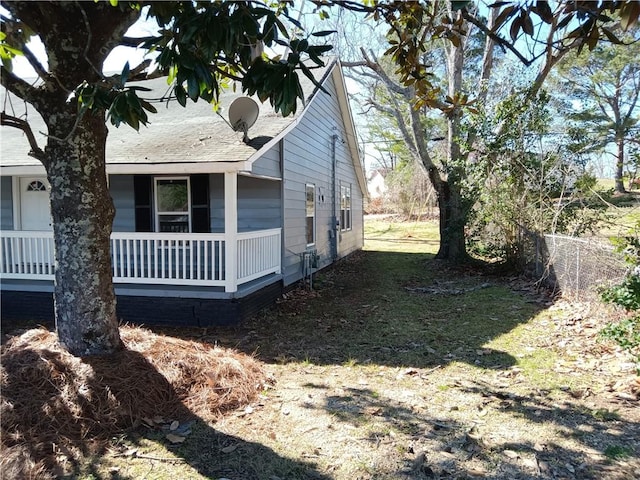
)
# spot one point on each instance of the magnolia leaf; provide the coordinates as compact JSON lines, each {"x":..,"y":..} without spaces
{"x":323,"y":33}
{"x":181,"y":95}
{"x":629,"y":14}
{"x":503,"y":16}
{"x":124,"y":76}
{"x":610,"y":35}
{"x":527,"y":24}
{"x":515,"y":28}
{"x":459,"y":5}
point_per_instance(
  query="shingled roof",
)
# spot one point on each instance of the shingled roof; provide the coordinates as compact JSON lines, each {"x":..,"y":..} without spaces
{"x":180,"y":140}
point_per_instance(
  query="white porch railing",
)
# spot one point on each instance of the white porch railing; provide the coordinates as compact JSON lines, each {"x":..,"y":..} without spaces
{"x":153,"y":258}
{"x":26,"y":255}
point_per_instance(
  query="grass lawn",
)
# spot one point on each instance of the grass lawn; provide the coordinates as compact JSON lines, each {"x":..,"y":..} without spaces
{"x":399,"y":366}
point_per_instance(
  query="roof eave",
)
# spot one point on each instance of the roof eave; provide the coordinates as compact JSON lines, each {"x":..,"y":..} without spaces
{"x":347,"y":118}
{"x":307,"y":104}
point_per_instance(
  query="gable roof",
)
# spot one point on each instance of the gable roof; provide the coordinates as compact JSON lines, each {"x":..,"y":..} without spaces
{"x":186,"y":140}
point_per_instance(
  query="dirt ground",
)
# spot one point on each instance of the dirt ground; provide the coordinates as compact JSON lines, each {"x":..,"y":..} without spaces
{"x":375,"y":421}
{"x":546,"y":399}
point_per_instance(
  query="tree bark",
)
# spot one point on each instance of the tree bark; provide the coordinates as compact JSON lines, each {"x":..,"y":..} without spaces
{"x":78,"y":37}
{"x":82,"y":213}
{"x":619,"y":173}
{"x":453,"y":214}
{"x":452,"y":220}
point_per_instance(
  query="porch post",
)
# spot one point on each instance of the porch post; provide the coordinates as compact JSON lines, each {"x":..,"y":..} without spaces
{"x":231,"y":231}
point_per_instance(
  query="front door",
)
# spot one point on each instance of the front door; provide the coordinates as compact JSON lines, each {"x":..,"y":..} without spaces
{"x":35,"y":213}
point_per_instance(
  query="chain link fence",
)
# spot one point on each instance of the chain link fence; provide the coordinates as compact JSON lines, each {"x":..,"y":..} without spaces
{"x":574,"y":267}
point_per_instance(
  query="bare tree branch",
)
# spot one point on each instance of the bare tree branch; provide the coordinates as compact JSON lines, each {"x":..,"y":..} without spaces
{"x":11,"y":121}
{"x":19,"y":87}
{"x":371,"y":62}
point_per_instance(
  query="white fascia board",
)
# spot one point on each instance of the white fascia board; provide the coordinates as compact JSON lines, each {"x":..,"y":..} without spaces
{"x":347,"y":118}
{"x":137,"y":168}
{"x":246,"y":173}
{"x":176,"y":168}
{"x":292,"y":125}
{"x":22,"y":170}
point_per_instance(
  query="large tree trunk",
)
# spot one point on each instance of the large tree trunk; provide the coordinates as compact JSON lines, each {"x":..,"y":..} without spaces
{"x":453,"y":219}
{"x":619,"y":173}
{"x":453,"y":214}
{"x":77,"y":36}
{"x":82,"y":212}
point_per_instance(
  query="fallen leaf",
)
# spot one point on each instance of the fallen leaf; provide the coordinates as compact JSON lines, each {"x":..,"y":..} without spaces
{"x":148,"y":422}
{"x":229,"y":449}
{"x":373,"y":410}
{"x":175,"y":424}
{"x":510,"y":454}
{"x":174,"y":438}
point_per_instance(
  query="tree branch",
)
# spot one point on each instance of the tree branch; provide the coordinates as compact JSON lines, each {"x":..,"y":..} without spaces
{"x":11,"y":121}
{"x":19,"y":87}
{"x":495,"y":37}
{"x":17,"y":41}
{"x":87,"y":27}
{"x":372,"y":63}
{"x":132,"y":41}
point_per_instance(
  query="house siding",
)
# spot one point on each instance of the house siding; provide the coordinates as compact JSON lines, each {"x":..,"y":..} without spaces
{"x":268,"y":164}
{"x":308,"y":157}
{"x":121,"y":190}
{"x":258,"y":203}
{"x":6,"y":203}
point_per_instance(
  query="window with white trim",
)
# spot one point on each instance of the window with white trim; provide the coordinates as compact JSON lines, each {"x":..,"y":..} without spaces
{"x":345,"y":207}
{"x":172,"y":204}
{"x":310,"y":206}
{"x":36,"y":186}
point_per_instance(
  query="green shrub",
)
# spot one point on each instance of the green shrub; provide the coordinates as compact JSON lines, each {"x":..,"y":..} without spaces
{"x":626,"y":332}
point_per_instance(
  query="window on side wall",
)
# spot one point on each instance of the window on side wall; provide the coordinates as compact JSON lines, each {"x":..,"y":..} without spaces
{"x":345,"y":207}
{"x":310,"y":203}
{"x":173,"y":204}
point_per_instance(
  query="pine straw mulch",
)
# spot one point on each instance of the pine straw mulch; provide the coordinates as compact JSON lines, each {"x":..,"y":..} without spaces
{"x":57,"y":408}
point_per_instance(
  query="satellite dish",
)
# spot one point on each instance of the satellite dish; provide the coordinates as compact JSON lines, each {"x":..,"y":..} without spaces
{"x":243,"y":113}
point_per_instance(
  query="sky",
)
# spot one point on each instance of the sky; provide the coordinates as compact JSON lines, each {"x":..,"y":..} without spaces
{"x":114,"y":63}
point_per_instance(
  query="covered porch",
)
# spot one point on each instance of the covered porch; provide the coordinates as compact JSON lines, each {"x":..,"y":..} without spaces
{"x":220,"y":261}
{"x":197,"y":259}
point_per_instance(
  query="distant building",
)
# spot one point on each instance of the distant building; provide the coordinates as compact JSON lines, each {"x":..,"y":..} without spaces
{"x":376,"y":184}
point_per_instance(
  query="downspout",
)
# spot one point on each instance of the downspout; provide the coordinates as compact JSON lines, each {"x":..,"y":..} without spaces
{"x":282,"y":210}
{"x":335,"y":225}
